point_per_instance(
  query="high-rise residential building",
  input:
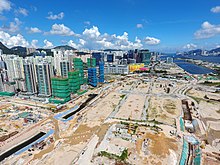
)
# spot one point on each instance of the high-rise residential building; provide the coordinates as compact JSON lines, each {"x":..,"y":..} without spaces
{"x":43,"y":71}
{"x":14,"y":67}
{"x":61,"y":55}
{"x":58,"y":57}
{"x":30,"y":77}
{"x":64,"y":68}
{"x":14,"y":70}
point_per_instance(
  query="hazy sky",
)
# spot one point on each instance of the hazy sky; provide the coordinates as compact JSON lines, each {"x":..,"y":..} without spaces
{"x":163,"y":25}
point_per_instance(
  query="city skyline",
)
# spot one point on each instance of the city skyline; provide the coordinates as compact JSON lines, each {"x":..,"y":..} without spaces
{"x":166,"y":26}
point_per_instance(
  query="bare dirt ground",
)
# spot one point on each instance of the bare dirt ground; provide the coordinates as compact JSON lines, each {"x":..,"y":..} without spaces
{"x":132,"y":108}
{"x":209,"y":109}
{"x":210,"y":114}
{"x":142,"y":88}
{"x":159,"y":87}
{"x":164,"y":109}
{"x":162,"y":149}
{"x":102,"y":109}
{"x":201,"y":94}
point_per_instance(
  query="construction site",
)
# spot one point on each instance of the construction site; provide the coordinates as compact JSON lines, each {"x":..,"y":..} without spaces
{"x":134,"y":120}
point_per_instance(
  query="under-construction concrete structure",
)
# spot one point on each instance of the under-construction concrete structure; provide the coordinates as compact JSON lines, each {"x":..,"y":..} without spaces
{"x":60,"y":90}
{"x":78,"y":66}
{"x":74,"y":81}
{"x":91,"y":62}
{"x":92,"y":77}
{"x":101,"y":72}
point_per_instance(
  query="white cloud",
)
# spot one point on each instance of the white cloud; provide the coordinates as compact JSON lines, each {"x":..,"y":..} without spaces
{"x":207,"y":31}
{"x":34,"y":30}
{"x":92,"y":32}
{"x":151,"y":41}
{"x":22,"y":11}
{"x":34,"y":43}
{"x":55,"y":16}
{"x":10,"y":41}
{"x":13,"y":26}
{"x":61,"y":29}
{"x":48,"y":44}
{"x":82,"y":42}
{"x":140,"y":26}
{"x":217,"y":46}
{"x":74,"y":45}
{"x":5,"y":5}
{"x":190,"y":46}
{"x":138,"y":43}
{"x":93,"y":39}
{"x":215,"y":9}
{"x":87,"y":22}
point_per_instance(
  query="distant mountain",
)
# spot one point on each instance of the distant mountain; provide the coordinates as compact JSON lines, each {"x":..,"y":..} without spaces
{"x":22,"y":51}
{"x":109,"y":50}
{"x":65,"y":47}
{"x":48,"y":51}
{"x":215,"y":50}
{"x":5,"y":50}
{"x":195,"y":52}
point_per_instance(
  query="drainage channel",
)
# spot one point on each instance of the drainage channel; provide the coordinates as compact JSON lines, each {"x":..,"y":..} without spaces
{"x":91,"y":97}
{"x":22,"y":145}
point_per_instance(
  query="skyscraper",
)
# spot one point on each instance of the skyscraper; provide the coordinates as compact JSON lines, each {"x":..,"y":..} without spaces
{"x":14,"y":71}
{"x":64,"y":68}
{"x":43,"y":79}
{"x":14,"y":67}
{"x":30,"y":77}
{"x":145,"y":57}
{"x":99,"y":56}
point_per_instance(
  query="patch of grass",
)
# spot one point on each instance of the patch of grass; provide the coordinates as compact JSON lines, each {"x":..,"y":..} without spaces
{"x":122,"y":96}
{"x":122,"y":157}
{"x":125,"y":139}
